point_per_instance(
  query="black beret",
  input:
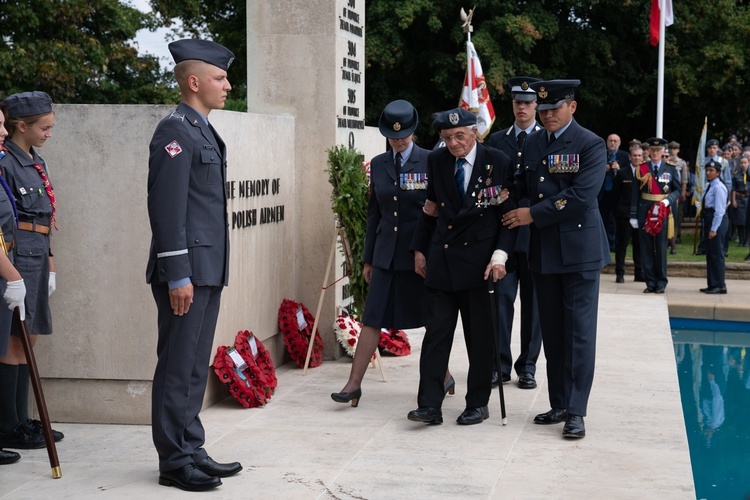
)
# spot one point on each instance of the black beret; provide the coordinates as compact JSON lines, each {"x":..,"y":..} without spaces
{"x":712,"y":142}
{"x":202,"y":50}
{"x":398,"y":119}
{"x":551,"y":94}
{"x":454,"y":118}
{"x":28,"y":104}
{"x":656,"y":142}
{"x":520,"y":88}
{"x":714,"y":164}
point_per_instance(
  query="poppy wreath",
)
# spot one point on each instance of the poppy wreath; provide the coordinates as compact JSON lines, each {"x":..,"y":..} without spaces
{"x":347,"y":330}
{"x":394,"y":342}
{"x":254,"y":385}
{"x":296,"y":339}
{"x":655,"y":219}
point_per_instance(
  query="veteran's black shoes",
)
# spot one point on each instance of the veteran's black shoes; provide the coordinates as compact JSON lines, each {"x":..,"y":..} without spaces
{"x":714,"y":290}
{"x":426,"y":415}
{"x":472,"y":416}
{"x":554,"y":416}
{"x":189,"y":478}
{"x":574,"y":427}
{"x":214,"y":469}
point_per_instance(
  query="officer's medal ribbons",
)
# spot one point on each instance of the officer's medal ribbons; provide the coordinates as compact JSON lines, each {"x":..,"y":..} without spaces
{"x":409,"y":182}
{"x":563,"y":164}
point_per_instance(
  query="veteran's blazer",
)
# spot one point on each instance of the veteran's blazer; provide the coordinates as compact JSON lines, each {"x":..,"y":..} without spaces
{"x":468,"y":232}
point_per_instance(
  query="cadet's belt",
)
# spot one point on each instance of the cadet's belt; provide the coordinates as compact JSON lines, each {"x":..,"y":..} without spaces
{"x":650,"y":197}
{"x":33,"y":227}
{"x":8,"y":245}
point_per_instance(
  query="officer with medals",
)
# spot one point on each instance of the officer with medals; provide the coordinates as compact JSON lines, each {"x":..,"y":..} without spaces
{"x":396,"y":297}
{"x":509,"y":141}
{"x":562,"y":170}
{"x":466,"y":247}
{"x":188,"y":261}
{"x":656,"y":191}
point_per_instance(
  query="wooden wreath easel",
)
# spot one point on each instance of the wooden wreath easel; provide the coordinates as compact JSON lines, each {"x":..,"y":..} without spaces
{"x":339,"y":234}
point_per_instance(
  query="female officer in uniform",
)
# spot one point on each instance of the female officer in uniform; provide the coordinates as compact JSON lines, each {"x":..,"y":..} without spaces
{"x":29,"y":121}
{"x":398,"y":188}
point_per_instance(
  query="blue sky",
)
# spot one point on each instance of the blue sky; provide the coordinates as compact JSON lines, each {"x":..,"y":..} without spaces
{"x":152,"y":42}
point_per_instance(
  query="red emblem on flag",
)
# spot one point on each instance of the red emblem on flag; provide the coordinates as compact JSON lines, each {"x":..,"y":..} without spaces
{"x":173,"y":149}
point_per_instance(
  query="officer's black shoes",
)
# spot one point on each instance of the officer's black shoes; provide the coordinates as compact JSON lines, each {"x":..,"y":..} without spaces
{"x":9,"y":457}
{"x":714,"y":290}
{"x":554,"y":416}
{"x":215,"y":469}
{"x":659,"y":289}
{"x":21,"y":438}
{"x":471,"y":416}
{"x":189,"y":478}
{"x":620,"y":279}
{"x":649,"y":289}
{"x":526,"y":381}
{"x":574,"y":427}
{"x":426,"y":415}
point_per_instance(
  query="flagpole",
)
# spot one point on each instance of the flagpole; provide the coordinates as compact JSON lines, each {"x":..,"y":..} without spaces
{"x":660,"y":84}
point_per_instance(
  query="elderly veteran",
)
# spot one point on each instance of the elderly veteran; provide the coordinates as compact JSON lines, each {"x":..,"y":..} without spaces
{"x":468,"y":245}
{"x":561,"y":172}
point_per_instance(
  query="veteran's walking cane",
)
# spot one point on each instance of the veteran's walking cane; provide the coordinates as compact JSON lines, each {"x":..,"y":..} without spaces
{"x":36,"y":383}
{"x":493,"y":308}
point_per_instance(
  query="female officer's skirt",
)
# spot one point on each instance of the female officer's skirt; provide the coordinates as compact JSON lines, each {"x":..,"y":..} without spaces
{"x":396,"y":299}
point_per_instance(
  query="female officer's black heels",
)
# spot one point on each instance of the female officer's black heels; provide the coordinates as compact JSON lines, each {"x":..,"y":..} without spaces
{"x":450,"y":386}
{"x":345,"y":397}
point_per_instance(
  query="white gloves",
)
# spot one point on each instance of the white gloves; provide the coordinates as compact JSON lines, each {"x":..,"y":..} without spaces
{"x":634,"y":223}
{"x":665,"y":202}
{"x":52,"y":283}
{"x":14,"y":296}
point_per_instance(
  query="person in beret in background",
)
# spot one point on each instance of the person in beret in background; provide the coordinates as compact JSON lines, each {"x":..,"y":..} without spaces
{"x":561,"y":172}
{"x":466,"y":247}
{"x":715,"y":226}
{"x":657,"y":184}
{"x":396,"y":297}
{"x":30,"y":119}
{"x":188,"y":261}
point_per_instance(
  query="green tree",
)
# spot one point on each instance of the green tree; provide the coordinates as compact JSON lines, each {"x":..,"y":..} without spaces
{"x":415,"y":50}
{"x":78,"y":51}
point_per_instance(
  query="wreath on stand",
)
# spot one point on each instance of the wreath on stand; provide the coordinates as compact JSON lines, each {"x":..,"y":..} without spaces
{"x":296,"y":323}
{"x":247,"y":369}
{"x":347,"y":330}
{"x":394,"y":342}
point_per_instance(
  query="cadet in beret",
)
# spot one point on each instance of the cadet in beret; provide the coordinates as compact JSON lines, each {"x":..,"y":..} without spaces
{"x":188,"y":262}
{"x":562,"y":170}
{"x":14,"y":292}
{"x":509,"y":141}
{"x":30,"y":119}
{"x":715,"y":225}
{"x":657,"y":183}
{"x":398,"y":187}
{"x":468,"y":245}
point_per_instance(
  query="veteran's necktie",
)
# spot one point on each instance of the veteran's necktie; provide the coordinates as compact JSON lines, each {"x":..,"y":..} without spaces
{"x":460,"y":177}
{"x":50,"y":193}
